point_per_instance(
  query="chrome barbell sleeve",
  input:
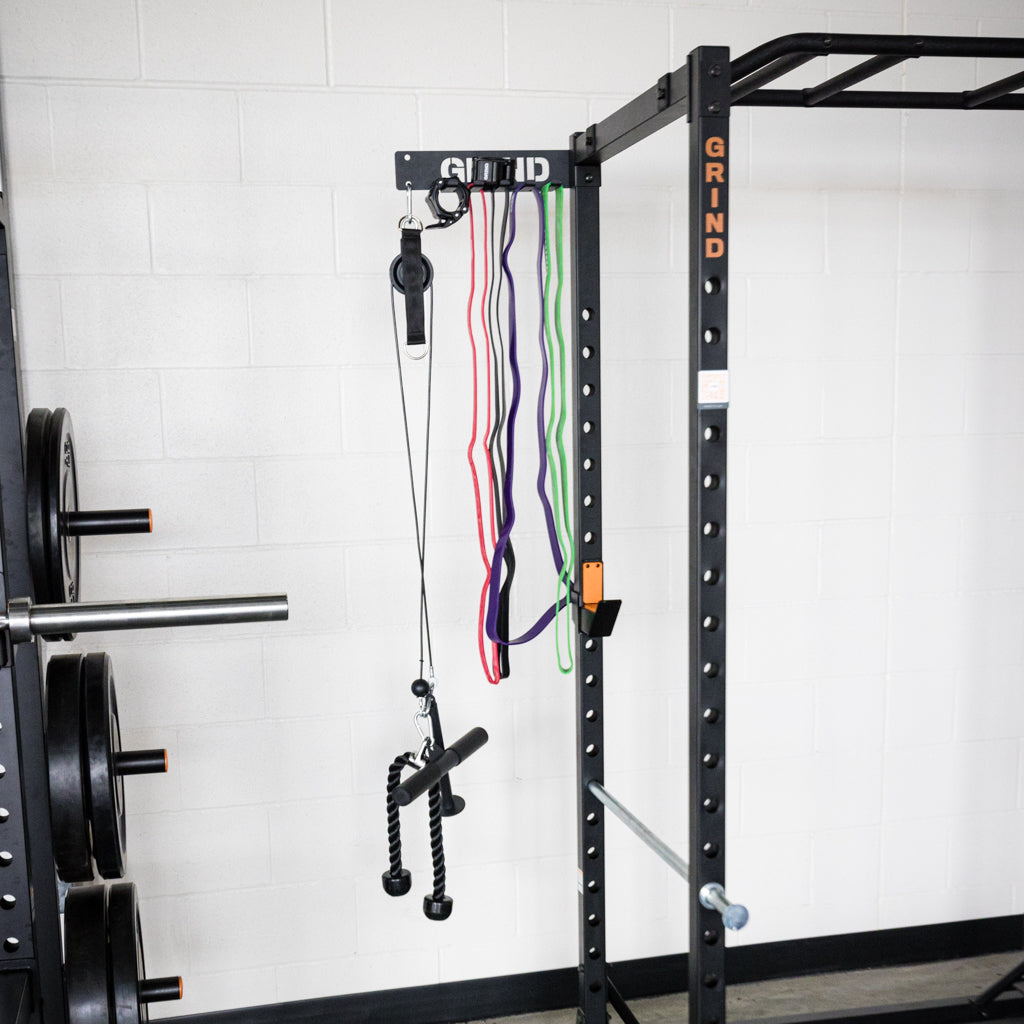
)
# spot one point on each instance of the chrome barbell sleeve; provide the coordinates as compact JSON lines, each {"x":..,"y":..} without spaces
{"x":24,"y":620}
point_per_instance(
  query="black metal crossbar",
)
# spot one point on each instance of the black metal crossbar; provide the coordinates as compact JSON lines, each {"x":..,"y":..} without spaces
{"x":750,"y":73}
{"x":762,"y":65}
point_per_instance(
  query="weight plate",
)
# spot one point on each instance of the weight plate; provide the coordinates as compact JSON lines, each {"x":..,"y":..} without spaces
{"x":36,"y":501}
{"x":127,"y":961}
{"x":102,"y":742}
{"x":69,"y":808}
{"x":62,"y":498}
{"x":86,"y":956}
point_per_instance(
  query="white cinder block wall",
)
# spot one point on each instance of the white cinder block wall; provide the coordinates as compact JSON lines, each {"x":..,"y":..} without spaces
{"x":203,"y":216}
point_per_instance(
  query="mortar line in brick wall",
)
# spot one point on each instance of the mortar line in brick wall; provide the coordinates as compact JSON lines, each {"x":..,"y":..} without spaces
{"x":138,"y":37}
{"x":60,"y":321}
{"x":328,"y":54}
{"x":240,"y":122}
{"x":504,"y":44}
{"x":335,"y":242}
{"x":50,"y":134}
{"x":312,"y":88}
{"x":149,"y":228}
{"x":248,"y":323}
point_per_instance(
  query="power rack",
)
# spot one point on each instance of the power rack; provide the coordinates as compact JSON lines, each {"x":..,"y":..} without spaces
{"x":704,"y":90}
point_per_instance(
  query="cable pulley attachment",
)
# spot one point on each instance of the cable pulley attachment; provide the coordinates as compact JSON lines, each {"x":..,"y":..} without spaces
{"x":411,"y":274}
{"x":439,"y":765}
{"x":397,"y":880}
{"x":434,"y":740}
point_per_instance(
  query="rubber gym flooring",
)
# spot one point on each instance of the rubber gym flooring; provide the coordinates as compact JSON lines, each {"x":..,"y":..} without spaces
{"x":951,"y":979}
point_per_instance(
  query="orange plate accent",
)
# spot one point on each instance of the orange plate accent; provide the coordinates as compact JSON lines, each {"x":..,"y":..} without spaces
{"x":593,"y":584}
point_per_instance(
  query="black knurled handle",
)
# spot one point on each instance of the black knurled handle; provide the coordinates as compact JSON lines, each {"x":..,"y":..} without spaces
{"x":432,"y":773}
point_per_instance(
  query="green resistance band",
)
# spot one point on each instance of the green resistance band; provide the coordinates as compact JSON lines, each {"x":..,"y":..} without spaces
{"x":555,"y":434}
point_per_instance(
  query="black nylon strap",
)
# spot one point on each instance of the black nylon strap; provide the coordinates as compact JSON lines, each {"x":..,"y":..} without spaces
{"x":412,"y":281}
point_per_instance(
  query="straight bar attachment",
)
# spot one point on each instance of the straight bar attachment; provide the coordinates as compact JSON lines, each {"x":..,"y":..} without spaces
{"x":25,"y":620}
{"x":434,"y":771}
{"x":712,"y":896}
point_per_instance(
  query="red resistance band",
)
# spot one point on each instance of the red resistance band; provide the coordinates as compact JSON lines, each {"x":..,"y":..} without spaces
{"x":489,"y":658}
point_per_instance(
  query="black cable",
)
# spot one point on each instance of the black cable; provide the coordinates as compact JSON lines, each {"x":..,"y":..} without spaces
{"x":421,"y":532}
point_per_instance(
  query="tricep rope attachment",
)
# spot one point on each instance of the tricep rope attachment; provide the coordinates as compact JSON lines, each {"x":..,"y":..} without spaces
{"x":428,"y":777}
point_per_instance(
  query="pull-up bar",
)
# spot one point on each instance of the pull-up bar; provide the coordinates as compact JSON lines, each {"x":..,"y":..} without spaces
{"x":669,"y":99}
{"x":712,"y":895}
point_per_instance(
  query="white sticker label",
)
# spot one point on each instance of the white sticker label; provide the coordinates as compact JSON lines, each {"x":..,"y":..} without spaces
{"x":579,"y":881}
{"x":712,"y":387}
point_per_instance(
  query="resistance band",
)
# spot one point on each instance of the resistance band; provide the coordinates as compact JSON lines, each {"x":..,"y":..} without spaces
{"x":559,"y":400}
{"x":495,"y":449}
{"x":494,"y":580}
{"x":488,"y":652}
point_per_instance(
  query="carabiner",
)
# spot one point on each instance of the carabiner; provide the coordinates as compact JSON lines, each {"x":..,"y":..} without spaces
{"x":409,"y":221}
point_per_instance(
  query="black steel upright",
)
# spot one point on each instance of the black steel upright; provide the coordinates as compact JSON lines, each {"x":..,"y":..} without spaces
{"x":586,"y":308}
{"x":709,"y":396}
{"x":30,"y":942}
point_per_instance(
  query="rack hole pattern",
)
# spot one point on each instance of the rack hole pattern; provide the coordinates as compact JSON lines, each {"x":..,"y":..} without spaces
{"x":589,"y":690}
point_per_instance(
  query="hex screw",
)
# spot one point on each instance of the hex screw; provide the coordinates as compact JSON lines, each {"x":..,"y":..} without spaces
{"x":715,"y":70}
{"x":714,"y":108}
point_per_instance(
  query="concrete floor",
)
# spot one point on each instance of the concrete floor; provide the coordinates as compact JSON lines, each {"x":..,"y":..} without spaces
{"x":953,"y":979}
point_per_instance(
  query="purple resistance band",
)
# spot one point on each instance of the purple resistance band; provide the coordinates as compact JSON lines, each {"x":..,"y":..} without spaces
{"x":510,"y":512}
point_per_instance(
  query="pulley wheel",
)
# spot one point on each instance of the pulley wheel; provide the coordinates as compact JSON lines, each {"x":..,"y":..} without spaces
{"x":86,"y":956}
{"x":102,"y":744}
{"x":69,"y":811}
{"x":398,"y":275}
